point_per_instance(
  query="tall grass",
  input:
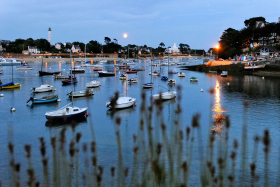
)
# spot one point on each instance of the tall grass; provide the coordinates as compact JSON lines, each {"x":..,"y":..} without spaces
{"x":161,"y":157}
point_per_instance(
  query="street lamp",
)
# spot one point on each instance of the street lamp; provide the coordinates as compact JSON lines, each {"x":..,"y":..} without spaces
{"x":217,"y":47}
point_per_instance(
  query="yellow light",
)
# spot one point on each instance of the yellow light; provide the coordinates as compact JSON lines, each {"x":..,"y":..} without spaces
{"x":125,"y":35}
{"x":217,"y":47}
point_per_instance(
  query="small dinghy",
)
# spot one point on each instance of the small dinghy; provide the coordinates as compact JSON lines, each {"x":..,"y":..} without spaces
{"x":172,"y":72}
{"x":83,"y":93}
{"x":1,"y":72}
{"x":96,"y":69}
{"x":43,"y":88}
{"x":133,"y":80}
{"x":131,"y":72}
{"x":24,"y":68}
{"x":93,"y":84}
{"x":87,"y":65}
{"x":224,"y":74}
{"x":46,"y":99}
{"x":155,"y":73}
{"x":171,"y":81}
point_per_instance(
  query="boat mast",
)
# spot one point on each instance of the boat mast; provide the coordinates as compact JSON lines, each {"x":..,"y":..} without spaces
{"x":168,"y":63}
{"x":85,"y":52}
{"x":71,"y":78}
{"x":42,"y":63}
{"x":12,"y":71}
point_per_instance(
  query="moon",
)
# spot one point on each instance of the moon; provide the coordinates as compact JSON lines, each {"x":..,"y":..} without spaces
{"x":125,"y":35}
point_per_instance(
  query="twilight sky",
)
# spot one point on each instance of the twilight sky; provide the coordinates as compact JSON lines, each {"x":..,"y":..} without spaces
{"x":198,"y":23}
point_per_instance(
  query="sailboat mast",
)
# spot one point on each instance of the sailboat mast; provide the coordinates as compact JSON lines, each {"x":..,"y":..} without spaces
{"x":85,"y":52}
{"x":12,"y":71}
{"x":168,"y":63}
{"x":42,"y":63}
{"x":71,"y":78}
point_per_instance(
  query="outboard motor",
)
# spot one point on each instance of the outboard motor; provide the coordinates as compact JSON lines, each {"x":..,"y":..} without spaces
{"x":31,"y":99}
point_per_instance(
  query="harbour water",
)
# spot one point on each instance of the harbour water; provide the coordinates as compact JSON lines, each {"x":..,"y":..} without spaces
{"x":28,"y":122}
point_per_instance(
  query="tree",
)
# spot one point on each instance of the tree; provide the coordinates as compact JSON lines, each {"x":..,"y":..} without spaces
{"x":162,"y":45}
{"x":107,"y":40}
{"x":252,"y":21}
{"x":116,"y":41}
{"x":184,"y":48}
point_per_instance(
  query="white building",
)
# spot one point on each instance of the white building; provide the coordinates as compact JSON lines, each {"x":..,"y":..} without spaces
{"x":58,"y":46}
{"x":173,"y":49}
{"x":2,"y":48}
{"x":76,"y":49}
{"x":33,"y":49}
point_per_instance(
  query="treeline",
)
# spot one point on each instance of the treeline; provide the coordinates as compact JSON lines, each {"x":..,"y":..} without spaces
{"x":93,"y":46}
{"x":256,"y":32}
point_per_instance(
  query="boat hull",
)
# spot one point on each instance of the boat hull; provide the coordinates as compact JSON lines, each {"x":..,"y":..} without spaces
{"x":106,"y":74}
{"x":11,"y":86}
{"x":10,"y":64}
{"x":43,"y":73}
{"x":165,"y":96}
{"x":38,"y":101}
{"x":67,"y":117}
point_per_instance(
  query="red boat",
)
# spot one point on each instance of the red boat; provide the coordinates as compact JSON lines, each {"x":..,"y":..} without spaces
{"x":131,"y":72}
{"x":124,"y":67}
{"x":97,"y":69}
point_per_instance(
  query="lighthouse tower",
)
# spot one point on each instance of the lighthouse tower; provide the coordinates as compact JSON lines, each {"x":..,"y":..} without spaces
{"x":50,"y":36}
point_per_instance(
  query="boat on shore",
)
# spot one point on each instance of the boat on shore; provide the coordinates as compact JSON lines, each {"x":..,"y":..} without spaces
{"x":43,"y":100}
{"x":224,"y":74}
{"x":254,"y":67}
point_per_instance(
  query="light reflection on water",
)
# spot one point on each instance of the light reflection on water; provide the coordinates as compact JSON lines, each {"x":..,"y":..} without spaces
{"x":218,"y":112}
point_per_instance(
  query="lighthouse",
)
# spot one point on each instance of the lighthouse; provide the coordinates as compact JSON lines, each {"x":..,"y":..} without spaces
{"x":50,"y":36}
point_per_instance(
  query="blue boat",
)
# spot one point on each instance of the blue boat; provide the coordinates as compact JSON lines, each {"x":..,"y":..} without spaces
{"x":172,"y":72}
{"x":164,"y":78}
{"x":7,"y":84}
{"x":43,"y":100}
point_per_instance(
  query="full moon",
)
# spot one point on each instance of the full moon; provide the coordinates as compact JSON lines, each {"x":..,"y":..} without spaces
{"x":125,"y":35}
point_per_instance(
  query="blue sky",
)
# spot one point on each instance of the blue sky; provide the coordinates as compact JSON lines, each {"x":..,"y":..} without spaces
{"x":198,"y":23}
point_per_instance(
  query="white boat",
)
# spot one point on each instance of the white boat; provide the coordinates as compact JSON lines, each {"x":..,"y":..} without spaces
{"x":181,"y":74}
{"x":171,"y":81}
{"x":61,"y":76}
{"x":87,"y":65}
{"x":103,"y":61}
{"x":164,"y":64}
{"x":93,"y":84}
{"x":1,"y":71}
{"x":165,"y":96}
{"x":224,"y":74}
{"x":43,"y":88}
{"x":133,"y":80}
{"x":66,"y":113}
{"x":77,"y":69}
{"x":24,"y":68}
{"x":97,"y":66}
{"x":83,"y":93}
{"x":254,"y":67}
{"x":155,"y":73}
{"x":122,"y":102}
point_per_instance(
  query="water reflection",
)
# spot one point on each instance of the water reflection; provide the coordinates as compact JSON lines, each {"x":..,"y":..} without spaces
{"x":218,"y":111}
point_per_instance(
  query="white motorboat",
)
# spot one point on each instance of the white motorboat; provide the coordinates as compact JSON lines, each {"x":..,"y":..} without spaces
{"x":165,"y":96}
{"x":83,"y":93}
{"x":224,"y":74}
{"x":1,"y":71}
{"x":133,"y":80}
{"x":254,"y":67}
{"x":24,"y":68}
{"x":93,"y":84}
{"x":67,"y":113}
{"x":148,"y":85}
{"x":122,"y":102}
{"x":43,"y":88}
{"x":171,"y":81}
{"x":181,"y":74}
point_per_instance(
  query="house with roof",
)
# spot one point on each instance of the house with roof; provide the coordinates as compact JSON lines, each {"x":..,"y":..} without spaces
{"x":58,"y":46}
{"x":33,"y":49}
{"x":267,"y":51}
{"x":76,"y":49}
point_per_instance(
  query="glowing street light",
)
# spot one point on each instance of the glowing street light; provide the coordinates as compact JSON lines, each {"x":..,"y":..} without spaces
{"x":217,"y":47}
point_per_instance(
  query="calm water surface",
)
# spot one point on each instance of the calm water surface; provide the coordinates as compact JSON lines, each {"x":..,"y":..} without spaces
{"x":28,"y":123}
